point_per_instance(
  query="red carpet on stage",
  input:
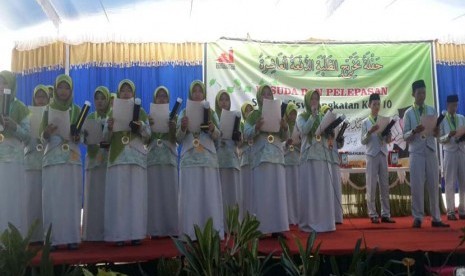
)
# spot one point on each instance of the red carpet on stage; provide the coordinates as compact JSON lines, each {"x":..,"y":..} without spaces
{"x":385,"y":237}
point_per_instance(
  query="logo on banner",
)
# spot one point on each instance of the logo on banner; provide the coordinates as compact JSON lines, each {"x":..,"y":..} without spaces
{"x":226,"y":60}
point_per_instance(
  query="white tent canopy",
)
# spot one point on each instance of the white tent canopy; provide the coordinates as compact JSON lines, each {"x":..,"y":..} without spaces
{"x":207,"y":20}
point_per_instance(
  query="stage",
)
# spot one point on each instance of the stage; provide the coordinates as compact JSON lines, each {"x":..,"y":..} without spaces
{"x":384,"y":237}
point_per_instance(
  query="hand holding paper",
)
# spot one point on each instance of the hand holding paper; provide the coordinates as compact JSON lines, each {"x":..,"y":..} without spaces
{"x":194,"y":112}
{"x":325,"y":122}
{"x":122,"y":114}
{"x":382,"y":123}
{"x":36,"y":118}
{"x":94,"y":131}
{"x":429,"y":123}
{"x":271,"y":113}
{"x":60,"y":119}
{"x":160,"y":115}
{"x":227,"y":120}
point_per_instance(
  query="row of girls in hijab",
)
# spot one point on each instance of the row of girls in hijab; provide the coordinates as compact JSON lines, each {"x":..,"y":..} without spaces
{"x":132,"y":188}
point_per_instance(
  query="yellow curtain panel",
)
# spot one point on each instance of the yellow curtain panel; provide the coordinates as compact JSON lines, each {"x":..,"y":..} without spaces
{"x":450,"y":54}
{"x":129,"y":54}
{"x":49,"y":56}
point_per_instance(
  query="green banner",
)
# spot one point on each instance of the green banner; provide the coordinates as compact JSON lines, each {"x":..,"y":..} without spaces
{"x":344,"y":74}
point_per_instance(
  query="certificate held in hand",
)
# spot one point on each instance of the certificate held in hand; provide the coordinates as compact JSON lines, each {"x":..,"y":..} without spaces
{"x":325,"y":122}
{"x":60,"y":119}
{"x":36,"y":118}
{"x":93,"y":129}
{"x":122,"y":114}
{"x":194,"y":111}
{"x":160,"y":116}
{"x":227,"y":120}
{"x":382,"y":123}
{"x":271,"y":113}
{"x":429,"y":123}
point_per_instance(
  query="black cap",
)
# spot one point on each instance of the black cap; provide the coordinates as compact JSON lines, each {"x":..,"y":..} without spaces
{"x":374,"y":97}
{"x":452,"y":98}
{"x":418,"y":84}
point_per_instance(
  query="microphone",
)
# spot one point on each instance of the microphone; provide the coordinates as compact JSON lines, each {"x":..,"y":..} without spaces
{"x":175,"y":109}
{"x":440,"y":118}
{"x":76,"y":127}
{"x":206,"y":116}
{"x":330,"y":128}
{"x":236,"y":136}
{"x":6,"y":102}
{"x":134,"y":124}
{"x":344,"y":126}
{"x":388,"y":128}
{"x":283,"y":109}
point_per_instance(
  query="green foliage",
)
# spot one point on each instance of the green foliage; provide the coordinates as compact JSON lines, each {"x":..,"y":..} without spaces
{"x":202,"y":255}
{"x":15,"y":253}
{"x":101,"y":272}
{"x":237,"y":255}
{"x":361,"y":263}
{"x":309,"y":257}
{"x":46,"y":265}
{"x":241,"y":245}
{"x":169,"y":267}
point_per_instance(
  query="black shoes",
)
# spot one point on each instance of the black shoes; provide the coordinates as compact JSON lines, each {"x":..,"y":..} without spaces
{"x":416,"y":223}
{"x":136,"y":242}
{"x":461,"y":216}
{"x":376,"y":220}
{"x":387,"y":220}
{"x":278,"y":235}
{"x":439,"y":224}
{"x":73,"y":246}
{"x":451,"y":217}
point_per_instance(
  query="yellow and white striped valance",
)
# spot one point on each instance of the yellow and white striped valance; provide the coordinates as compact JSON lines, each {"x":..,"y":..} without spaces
{"x":450,"y":54}
{"x":129,"y":54}
{"x":49,"y":56}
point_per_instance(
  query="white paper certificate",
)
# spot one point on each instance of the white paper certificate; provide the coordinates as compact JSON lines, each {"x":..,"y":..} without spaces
{"x":160,"y":114}
{"x":194,"y":111}
{"x":429,"y":122}
{"x":325,"y":122}
{"x":271,"y":113}
{"x":382,"y":122}
{"x":227,"y":123}
{"x":122,"y":114}
{"x":94,"y":130}
{"x":36,"y":118}
{"x":60,"y":119}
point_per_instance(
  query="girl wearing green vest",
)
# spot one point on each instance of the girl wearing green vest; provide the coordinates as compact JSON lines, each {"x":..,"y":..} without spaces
{"x":62,"y":171}
{"x":126,"y":179}
{"x":96,"y":169}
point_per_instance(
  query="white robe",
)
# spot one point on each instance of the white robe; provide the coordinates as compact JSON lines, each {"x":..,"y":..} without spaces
{"x":200,"y":199}
{"x":230,"y":187}
{"x":316,"y":197}
{"x":245,"y":189}
{"x":125,"y":203}
{"x":162,"y":200}
{"x":269,"y":200}
{"x":94,"y":204}
{"x":13,"y":194}
{"x":292,"y":191}
{"x":34,"y":203}
{"x":62,"y":201}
